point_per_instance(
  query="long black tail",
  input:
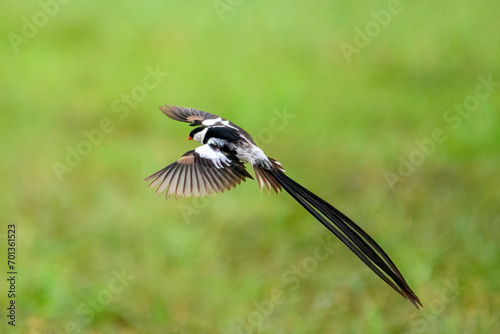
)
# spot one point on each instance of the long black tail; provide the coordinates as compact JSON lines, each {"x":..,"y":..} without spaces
{"x":346,"y":230}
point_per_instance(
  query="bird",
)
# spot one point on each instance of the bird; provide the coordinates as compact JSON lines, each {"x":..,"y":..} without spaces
{"x":219,"y":164}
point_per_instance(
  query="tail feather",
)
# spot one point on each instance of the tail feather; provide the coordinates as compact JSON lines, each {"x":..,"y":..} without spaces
{"x":339,"y":224}
{"x":264,"y":176}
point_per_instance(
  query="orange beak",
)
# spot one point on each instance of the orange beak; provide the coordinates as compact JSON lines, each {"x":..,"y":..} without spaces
{"x":190,"y":138}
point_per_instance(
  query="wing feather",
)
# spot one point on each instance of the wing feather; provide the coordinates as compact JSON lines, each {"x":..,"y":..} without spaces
{"x":162,"y":179}
{"x":187,"y":190}
{"x":193,"y":175}
{"x":195,"y":189}
{"x":198,"y":117}
{"x":188,"y":115}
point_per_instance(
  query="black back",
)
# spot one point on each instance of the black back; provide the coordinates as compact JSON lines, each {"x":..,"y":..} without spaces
{"x":221,"y":132}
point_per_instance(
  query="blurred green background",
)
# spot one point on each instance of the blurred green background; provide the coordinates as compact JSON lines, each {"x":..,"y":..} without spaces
{"x":364,"y":87}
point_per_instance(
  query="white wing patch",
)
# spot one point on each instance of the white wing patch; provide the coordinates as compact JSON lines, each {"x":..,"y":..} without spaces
{"x":216,"y":121}
{"x":218,"y":158}
{"x":209,"y":122}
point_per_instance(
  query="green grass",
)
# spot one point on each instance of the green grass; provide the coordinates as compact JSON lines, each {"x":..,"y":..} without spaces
{"x":234,"y":253}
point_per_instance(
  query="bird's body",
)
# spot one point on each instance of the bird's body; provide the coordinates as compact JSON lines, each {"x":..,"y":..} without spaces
{"x":219,"y":134}
{"x":218,"y":165}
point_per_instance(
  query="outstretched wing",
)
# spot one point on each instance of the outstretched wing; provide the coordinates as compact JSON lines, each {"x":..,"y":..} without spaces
{"x":188,"y":115}
{"x":200,"y":172}
{"x":198,"y":117}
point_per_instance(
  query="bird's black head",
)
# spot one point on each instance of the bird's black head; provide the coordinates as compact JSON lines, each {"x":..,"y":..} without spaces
{"x":193,"y":134}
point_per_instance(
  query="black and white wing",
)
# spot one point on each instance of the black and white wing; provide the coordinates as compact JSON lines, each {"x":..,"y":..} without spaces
{"x":198,"y":117}
{"x":200,"y":172}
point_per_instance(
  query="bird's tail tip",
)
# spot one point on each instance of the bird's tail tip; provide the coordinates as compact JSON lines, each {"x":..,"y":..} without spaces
{"x":353,"y":236}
